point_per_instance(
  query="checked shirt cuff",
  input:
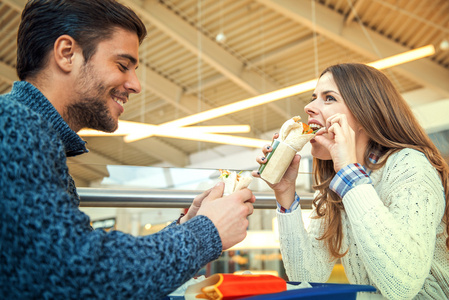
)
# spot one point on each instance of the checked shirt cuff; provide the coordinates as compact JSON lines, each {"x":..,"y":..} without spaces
{"x":294,"y":206}
{"x":349,"y":177}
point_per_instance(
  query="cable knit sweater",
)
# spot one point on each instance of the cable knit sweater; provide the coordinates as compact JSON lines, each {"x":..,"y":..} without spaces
{"x":48,"y":249}
{"x":392,"y":229}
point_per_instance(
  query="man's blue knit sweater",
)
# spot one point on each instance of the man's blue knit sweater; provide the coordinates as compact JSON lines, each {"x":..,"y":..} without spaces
{"x":48,"y":249}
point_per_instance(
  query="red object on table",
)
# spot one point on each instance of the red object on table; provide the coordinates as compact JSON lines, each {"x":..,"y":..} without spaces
{"x":230,"y":286}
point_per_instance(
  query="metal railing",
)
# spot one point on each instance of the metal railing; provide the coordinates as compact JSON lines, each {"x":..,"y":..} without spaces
{"x":105,"y":197}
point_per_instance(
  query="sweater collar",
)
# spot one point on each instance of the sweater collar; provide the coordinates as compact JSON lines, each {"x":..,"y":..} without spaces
{"x":30,"y":96}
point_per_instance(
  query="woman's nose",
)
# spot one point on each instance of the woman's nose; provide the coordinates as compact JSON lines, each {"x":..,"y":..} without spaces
{"x":310,"y":109}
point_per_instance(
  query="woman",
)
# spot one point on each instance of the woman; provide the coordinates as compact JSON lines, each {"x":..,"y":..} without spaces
{"x":381,"y":192}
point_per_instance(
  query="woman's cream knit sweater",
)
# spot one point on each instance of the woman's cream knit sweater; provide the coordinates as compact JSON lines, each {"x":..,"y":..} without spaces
{"x":392,"y":230}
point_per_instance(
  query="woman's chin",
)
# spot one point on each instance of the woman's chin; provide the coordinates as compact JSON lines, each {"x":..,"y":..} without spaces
{"x":320,"y":153}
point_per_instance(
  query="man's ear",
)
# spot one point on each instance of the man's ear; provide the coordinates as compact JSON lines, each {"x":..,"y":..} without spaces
{"x":64,"y":52}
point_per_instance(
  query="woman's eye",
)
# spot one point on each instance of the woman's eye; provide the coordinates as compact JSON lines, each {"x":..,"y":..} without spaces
{"x":329,"y":98}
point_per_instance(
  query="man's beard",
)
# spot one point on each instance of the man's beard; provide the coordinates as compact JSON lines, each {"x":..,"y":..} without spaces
{"x":89,"y":109}
{"x":91,"y":113}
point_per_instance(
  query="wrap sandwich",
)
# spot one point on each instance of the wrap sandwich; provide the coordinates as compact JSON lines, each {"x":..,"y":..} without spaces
{"x":296,"y":133}
{"x":293,"y":136}
{"x":234,"y":181}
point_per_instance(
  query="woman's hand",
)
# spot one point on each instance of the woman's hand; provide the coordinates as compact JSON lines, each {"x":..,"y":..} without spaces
{"x":285,"y":189}
{"x":339,"y":139}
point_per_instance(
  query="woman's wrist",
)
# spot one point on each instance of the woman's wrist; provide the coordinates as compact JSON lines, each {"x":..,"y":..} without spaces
{"x":285,"y":198}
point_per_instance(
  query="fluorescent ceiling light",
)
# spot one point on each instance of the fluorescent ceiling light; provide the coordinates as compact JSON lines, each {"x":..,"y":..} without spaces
{"x":130,"y":129}
{"x":404,"y":57}
{"x":216,"y":138}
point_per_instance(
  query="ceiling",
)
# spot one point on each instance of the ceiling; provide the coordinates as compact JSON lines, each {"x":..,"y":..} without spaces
{"x":268,"y":44}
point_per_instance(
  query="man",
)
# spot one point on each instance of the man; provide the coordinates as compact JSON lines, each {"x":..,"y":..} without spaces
{"x":76,"y":62}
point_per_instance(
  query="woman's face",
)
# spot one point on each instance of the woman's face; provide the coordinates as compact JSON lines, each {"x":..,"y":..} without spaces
{"x":326,"y":102}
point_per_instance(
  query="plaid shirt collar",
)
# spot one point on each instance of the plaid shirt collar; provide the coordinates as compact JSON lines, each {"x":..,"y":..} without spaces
{"x":373,"y":158}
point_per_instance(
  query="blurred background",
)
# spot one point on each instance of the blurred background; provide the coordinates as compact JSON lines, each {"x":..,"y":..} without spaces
{"x":203,"y":55}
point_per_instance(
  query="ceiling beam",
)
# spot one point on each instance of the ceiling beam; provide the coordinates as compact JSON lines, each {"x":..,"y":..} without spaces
{"x":332,"y":25}
{"x":162,"y":87}
{"x":213,"y":54}
{"x":290,"y":49}
{"x":205,"y":84}
{"x":353,"y":13}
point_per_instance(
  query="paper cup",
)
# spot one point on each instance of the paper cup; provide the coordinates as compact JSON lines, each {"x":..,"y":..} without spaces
{"x":277,"y":163}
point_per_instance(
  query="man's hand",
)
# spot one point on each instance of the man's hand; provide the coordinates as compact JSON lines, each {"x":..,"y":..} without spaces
{"x":229,"y":214}
{"x":196,"y":204}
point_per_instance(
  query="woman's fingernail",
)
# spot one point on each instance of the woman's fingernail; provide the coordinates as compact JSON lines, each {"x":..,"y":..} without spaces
{"x":268,"y":147}
{"x":258,"y":173}
{"x":262,"y":159}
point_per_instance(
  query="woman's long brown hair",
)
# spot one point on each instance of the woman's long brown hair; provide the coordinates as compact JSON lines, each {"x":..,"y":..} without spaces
{"x":390,"y":125}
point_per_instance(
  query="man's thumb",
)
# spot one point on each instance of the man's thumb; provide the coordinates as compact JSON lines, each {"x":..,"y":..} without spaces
{"x":216,"y":191}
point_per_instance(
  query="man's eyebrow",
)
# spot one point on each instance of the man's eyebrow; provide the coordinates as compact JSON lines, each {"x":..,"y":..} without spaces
{"x":132,"y":59}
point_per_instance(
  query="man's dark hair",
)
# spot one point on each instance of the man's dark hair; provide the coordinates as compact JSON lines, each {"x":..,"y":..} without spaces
{"x":87,"y":21}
